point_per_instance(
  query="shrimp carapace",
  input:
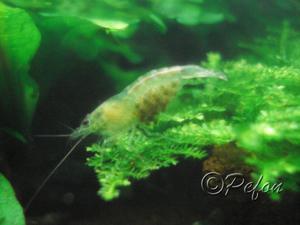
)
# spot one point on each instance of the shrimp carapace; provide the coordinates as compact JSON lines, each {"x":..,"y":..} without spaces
{"x":142,"y":100}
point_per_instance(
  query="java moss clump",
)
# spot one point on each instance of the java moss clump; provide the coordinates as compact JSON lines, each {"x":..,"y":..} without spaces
{"x":258,"y":109}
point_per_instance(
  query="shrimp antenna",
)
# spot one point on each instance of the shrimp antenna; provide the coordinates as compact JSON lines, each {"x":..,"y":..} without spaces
{"x":36,"y":193}
{"x":66,"y":126}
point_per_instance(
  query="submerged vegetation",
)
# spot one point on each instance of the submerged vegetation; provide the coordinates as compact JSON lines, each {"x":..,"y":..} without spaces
{"x":257,"y":110}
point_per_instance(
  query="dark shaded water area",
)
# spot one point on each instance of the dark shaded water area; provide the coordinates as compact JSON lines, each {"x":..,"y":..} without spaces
{"x":169,"y":196}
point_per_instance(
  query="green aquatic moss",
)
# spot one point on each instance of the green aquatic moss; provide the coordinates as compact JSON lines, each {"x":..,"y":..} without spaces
{"x":278,"y":47}
{"x":11,"y":212}
{"x":136,"y":154}
{"x":258,"y":108}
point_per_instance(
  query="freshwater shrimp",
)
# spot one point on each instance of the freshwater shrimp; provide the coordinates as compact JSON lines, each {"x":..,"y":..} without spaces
{"x":140,"y":102}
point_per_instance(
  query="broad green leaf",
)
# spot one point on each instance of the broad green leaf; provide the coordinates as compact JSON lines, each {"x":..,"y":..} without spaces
{"x":19,"y":40}
{"x":33,"y":4}
{"x":11,"y":212}
{"x":191,"y":12}
{"x":110,"y":24}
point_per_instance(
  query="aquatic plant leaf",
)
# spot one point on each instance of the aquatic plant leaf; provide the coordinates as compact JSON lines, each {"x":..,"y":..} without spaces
{"x":15,"y":134}
{"x":11,"y":212}
{"x":105,"y":14}
{"x":134,"y":156}
{"x":110,"y":24}
{"x":280,"y":46}
{"x":191,"y":12}
{"x":19,"y":40}
{"x":31,"y":4}
{"x":266,"y":102}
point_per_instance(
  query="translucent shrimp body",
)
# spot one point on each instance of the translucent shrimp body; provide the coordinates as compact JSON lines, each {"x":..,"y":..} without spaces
{"x":141,"y":101}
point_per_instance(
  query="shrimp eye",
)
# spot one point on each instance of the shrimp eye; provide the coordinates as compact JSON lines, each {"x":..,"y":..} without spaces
{"x":85,"y":122}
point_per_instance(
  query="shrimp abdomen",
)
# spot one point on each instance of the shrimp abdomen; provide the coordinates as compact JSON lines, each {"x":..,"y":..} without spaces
{"x":152,"y":92}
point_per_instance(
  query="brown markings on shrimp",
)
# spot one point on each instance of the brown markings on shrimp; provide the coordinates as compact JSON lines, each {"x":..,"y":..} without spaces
{"x":155,"y":101}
